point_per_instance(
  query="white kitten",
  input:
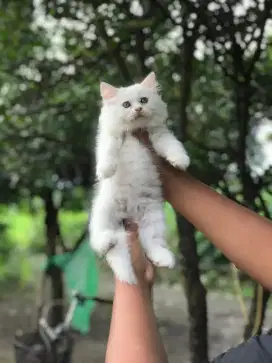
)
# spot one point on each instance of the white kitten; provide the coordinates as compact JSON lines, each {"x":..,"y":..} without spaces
{"x":128,"y":182}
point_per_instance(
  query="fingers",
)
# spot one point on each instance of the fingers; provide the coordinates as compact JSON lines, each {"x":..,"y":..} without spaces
{"x":143,"y":268}
{"x":136,"y":252}
{"x":142,"y":135}
{"x":135,"y":247}
{"x":130,"y":226}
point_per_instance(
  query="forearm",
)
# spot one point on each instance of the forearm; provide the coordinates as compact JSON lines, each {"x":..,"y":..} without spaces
{"x":134,"y":335}
{"x":242,"y":235}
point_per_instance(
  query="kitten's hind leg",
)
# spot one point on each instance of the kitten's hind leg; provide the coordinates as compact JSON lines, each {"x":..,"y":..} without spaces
{"x":108,"y":236}
{"x":120,"y":261}
{"x":152,"y":231}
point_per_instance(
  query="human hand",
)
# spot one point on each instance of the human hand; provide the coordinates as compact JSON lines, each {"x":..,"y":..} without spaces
{"x":142,"y":135}
{"x":143,"y":268}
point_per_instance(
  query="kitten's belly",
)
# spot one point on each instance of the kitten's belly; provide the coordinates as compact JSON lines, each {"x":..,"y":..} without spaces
{"x":136,"y":174}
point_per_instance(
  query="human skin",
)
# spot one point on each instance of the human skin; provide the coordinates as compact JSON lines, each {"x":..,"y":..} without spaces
{"x":134,"y":335}
{"x":242,"y":235}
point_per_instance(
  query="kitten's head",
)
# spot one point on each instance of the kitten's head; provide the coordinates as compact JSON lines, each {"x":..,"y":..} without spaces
{"x":136,"y":106}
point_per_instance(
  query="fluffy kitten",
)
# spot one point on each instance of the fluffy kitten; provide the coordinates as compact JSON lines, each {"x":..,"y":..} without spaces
{"x":128,"y":182}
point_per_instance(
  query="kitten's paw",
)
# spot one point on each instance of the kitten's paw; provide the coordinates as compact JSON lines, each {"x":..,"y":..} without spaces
{"x":105,"y":171}
{"x":162,"y":257}
{"x":179,"y":160}
{"x":120,"y":261}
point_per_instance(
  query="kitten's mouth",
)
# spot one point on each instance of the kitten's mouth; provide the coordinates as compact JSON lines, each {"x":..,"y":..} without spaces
{"x":139,"y":115}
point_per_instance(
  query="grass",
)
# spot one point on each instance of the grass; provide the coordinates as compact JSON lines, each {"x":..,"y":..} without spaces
{"x":25,"y":236}
{"x":24,"y":239}
{"x":25,"y":230}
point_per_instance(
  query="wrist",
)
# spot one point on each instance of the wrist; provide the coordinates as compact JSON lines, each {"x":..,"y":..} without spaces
{"x":141,"y":286}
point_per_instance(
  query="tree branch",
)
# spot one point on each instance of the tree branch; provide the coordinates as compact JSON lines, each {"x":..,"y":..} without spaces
{"x":265,"y":14}
{"x":209,"y":148}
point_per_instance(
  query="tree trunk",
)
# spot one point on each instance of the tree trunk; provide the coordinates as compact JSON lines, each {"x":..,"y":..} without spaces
{"x":194,"y":289}
{"x":195,"y":292}
{"x":54,"y":272}
{"x":250,"y":193}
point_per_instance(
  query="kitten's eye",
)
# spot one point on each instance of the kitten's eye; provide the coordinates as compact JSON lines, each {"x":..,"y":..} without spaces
{"x":126,"y":104}
{"x":143,"y":100}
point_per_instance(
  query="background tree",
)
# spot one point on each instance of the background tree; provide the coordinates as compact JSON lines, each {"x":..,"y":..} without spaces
{"x":213,"y":60}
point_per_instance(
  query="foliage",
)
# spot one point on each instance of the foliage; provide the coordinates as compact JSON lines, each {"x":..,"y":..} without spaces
{"x":213,"y":60}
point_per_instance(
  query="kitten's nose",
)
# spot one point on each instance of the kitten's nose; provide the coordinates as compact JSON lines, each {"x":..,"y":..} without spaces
{"x":138,"y":109}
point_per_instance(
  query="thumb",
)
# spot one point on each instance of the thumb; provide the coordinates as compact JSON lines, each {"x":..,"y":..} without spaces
{"x":134,"y":246}
{"x":136,"y":252}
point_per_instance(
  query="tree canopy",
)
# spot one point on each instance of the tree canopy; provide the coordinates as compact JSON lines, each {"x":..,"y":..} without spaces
{"x":212,"y":58}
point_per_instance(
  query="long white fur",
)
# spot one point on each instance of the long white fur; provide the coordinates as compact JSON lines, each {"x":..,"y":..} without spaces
{"x":128,"y":182}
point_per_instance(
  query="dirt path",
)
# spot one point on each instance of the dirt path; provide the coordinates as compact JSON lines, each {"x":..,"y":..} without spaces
{"x":225,"y":325}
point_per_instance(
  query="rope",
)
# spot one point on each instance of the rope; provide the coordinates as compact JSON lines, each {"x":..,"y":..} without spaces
{"x":259,"y":310}
{"x":241,"y":300}
{"x":239,"y":293}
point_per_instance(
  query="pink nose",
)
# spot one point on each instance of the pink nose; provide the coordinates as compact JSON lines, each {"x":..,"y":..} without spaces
{"x":138,"y":109}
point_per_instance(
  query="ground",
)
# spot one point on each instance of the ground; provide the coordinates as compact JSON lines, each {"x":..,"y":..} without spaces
{"x":225,"y":324}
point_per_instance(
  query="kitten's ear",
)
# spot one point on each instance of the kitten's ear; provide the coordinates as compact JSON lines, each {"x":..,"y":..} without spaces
{"x":150,"y":81}
{"x":107,"y":91}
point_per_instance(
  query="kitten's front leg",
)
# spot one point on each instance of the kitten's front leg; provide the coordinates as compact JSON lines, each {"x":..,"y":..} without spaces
{"x":167,"y":146}
{"x":108,"y":148}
